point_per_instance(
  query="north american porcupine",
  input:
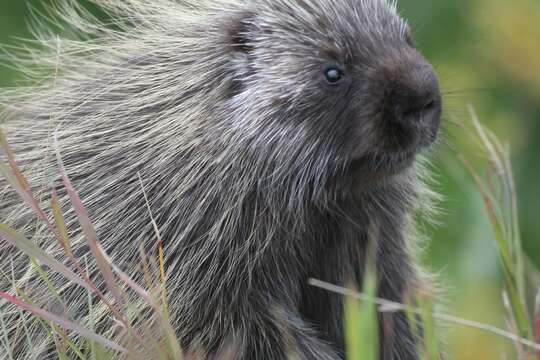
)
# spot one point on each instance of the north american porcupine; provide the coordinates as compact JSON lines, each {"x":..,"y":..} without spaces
{"x":275,"y":140}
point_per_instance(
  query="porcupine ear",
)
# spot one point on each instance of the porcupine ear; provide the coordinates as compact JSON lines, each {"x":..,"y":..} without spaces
{"x":239,"y":32}
{"x":239,"y":35}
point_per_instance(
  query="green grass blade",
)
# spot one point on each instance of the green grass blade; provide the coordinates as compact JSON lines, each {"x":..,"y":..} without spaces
{"x":90,"y":234}
{"x":353,"y":323}
{"x":66,"y":324}
{"x":431,"y":341}
{"x":361,"y":323}
{"x":32,"y":250}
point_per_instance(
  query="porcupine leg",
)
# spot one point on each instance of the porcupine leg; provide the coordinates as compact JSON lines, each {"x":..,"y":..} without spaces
{"x":253,"y":315}
{"x":262,"y":329}
{"x":279,"y":334}
{"x":397,"y":340}
{"x":396,"y":276}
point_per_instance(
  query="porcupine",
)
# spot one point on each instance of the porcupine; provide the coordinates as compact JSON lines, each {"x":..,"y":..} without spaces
{"x":276,"y":140}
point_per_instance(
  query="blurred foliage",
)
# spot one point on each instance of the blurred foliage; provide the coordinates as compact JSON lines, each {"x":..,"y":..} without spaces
{"x":487,"y":53}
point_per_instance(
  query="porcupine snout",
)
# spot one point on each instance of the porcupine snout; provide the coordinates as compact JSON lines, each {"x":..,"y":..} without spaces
{"x":412,"y":102}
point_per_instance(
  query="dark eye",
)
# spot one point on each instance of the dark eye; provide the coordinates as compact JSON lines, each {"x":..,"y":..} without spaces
{"x":333,"y":75}
{"x":409,"y":38}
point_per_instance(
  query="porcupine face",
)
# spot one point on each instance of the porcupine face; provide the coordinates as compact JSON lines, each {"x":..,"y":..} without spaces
{"x":337,"y":82}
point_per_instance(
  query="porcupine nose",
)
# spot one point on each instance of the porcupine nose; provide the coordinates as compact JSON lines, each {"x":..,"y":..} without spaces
{"x":412,"y":101}
{"x":416,"y":99}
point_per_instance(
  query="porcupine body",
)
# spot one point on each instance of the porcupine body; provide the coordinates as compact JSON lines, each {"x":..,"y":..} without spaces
{"x":276,"y":140}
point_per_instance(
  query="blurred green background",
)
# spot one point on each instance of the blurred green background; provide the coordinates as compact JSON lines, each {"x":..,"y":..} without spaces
{"x":487,"y":53}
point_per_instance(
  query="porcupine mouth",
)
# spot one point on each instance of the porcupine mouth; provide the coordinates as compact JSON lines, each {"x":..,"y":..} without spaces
{"x":377,"y":166}
{"x":395,"y":158}
{"x":395,"y":154}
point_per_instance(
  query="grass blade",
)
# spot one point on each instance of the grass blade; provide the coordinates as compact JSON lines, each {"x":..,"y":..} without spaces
{"x":426,"y":306}
{"x":29,"y":248}
{"x":61,"y":227}
{"x":353,"y":322}
{"x":361,"y":323}
{"x":537,"y":321}
{"x":64,"y":323}
{"x":89,"y":232}
{"x":500,"y":202}
{"x":16,"y":179}
{"x":391,"y":306}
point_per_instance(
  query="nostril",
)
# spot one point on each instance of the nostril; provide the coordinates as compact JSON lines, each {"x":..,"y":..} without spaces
{"x":418,"y":109}
{"x":415,"y":107}
{"x":429,"y":105}
{"x":412,"y":96}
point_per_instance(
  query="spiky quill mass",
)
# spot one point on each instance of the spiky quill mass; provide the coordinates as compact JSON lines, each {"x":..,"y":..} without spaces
{"x":260,"y":173}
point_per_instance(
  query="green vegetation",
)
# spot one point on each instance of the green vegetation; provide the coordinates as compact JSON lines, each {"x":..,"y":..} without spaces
{"x":496,"y":185}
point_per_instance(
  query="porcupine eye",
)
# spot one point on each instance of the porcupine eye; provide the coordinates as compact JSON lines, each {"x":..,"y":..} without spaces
{"x":409,"y":38}
{"x":333,"y":75}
